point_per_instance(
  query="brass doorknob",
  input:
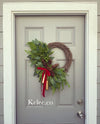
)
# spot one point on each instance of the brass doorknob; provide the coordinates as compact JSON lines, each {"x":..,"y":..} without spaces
{"x":80,"y":114}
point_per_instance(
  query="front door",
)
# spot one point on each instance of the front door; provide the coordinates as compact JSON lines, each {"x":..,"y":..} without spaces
{"x":67,"y":106}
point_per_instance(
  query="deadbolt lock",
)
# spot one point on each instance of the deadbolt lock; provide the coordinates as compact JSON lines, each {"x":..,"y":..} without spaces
{"x":80,"y":101}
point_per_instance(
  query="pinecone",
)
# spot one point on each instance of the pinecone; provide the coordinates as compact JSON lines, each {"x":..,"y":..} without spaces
{"x":55,"y":65}
{"x":45,"y":66}
{"x":44,"y":62}
{"x":50,"y":69}
{"x":49,"y":62}
{"x":52,"y":74}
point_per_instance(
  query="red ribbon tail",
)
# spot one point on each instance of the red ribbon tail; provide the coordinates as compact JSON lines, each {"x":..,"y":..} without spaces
{"x":46,"y":73}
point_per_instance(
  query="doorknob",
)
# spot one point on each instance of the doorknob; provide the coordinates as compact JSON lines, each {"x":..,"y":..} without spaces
{"x":80,"y":114}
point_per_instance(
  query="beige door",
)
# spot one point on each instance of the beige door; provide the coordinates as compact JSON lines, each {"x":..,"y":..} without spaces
{"x":70,"y":31}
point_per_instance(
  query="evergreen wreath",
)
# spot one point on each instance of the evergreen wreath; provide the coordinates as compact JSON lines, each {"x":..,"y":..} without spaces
{"x":40,"y":56}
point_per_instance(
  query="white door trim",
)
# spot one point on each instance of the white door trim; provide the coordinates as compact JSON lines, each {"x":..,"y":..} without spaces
{"x":35,"y":8}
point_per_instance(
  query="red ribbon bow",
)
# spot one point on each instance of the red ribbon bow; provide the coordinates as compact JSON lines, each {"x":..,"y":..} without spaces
{"x":46,"y":73}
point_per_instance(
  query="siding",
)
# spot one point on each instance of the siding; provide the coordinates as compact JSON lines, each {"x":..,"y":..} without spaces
{"x":1,"y":54}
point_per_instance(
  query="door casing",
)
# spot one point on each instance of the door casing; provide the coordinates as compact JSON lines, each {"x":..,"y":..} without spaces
{"x":10,"y":10}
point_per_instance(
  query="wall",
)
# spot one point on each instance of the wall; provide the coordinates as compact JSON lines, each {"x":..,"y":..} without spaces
{"x":1,"y":53}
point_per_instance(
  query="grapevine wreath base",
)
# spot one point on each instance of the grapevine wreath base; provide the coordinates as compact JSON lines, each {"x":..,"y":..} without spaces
{"x":40,"y":56}
{"x":67,"y":52}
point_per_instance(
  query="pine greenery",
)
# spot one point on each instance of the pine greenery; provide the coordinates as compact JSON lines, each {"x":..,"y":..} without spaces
{"x":40,"y":51}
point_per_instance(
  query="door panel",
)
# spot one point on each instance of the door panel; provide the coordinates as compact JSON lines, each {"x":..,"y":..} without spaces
{"x":70,"y":31}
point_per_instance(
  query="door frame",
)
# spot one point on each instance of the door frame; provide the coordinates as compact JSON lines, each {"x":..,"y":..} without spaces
{"x":89,"y":10}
